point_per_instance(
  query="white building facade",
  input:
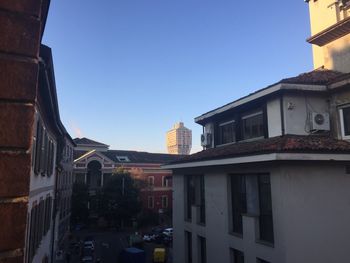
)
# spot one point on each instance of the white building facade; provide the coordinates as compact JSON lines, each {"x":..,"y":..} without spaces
{"x":48,"y":142}
{"x":272,"y":184}
{"x":269,"y":187}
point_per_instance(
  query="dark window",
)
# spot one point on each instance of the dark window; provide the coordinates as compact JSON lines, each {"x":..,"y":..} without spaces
{"x":38,"y":148}
{"x":237,"y":256}
{"x":202,"y":200}
{"x":45,"y":154}
{"x":31,"y":235}
{"x":238,"y":202}
{"x":51,"y":157}
{"x":188,"y":248}
{"x":150,"y":202}
{"x":164,"y":181}
{"x":151,"y":180}
{"x":189,"y":195}
{"x":227,"y":132}
{"x":202,"y":253}
{"x":265,"y":203}
{"x":106,"y":178}
{"x":259,"y":260}
{"x":346,"y":120}
{"x":164,"y":201}
{"x":252,"y":126}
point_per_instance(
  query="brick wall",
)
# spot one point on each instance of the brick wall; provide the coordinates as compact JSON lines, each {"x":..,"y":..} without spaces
{"x":20,"y":31}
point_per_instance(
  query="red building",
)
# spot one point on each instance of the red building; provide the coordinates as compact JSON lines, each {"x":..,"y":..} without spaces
{"x":94,"y":163}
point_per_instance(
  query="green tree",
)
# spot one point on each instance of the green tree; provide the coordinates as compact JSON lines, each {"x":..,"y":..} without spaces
{"x":80,"y":199}
{"x":119,"y":199}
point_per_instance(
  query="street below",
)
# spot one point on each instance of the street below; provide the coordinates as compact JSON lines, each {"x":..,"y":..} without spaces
{"x":108,"y":245}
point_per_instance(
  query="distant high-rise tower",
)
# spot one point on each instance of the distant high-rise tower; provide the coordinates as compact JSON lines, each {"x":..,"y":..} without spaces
{"x":179,"y":139}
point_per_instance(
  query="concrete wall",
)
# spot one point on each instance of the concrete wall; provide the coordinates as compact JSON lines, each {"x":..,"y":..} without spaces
{"x":311,"y":214}
{"x":314,"y":212}
{"x":274,"y":117}
{"x":178,"y":219}
{"x":335,"y":55}
{"x":296,"y":108}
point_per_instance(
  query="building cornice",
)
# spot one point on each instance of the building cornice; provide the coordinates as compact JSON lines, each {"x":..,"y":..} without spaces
{"x":262,"y":158}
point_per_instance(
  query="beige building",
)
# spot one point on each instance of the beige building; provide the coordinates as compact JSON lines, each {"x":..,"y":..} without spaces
{"x":179,"y":139}
{"x":330,"y":23}
{"x":272,"y":184}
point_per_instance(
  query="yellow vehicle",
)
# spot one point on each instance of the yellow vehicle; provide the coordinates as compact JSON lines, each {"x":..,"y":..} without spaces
{"x":159,"y":255}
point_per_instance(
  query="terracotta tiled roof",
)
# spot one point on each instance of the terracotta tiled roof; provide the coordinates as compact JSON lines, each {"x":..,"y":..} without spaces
{"x":317,"y":77}
{"x":287,"y":144}
{"x":135,"y":157}
{"x":142,"y":157}
{"x":86,"y":141}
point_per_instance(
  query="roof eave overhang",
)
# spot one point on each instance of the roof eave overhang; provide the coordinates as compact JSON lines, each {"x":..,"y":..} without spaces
{"x":262,"y":158}
{"x":340,"y":84}
{"x":331,"y":33}
{"x":260,"y":94}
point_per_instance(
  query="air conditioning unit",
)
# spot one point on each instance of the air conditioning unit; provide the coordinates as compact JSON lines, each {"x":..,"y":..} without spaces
{"x":206,"y":139}
{"x":320,"y":121}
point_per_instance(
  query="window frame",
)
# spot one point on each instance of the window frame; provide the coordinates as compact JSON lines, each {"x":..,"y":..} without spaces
{"x":342,"y":123}
{"x":189,"y":195}
{"x":149,"y":179}
{"x":235,"y":253}
{"x":220,"y":137}
{"x":236,"y":228}
{"x":150,"y":198}
{"x":263,"y":233}
{"x":252,"y":114}
{"x":165,"y":182}
{"x":202,"y":249}
{"x":188,"y":247}
{"x":165,"y":197}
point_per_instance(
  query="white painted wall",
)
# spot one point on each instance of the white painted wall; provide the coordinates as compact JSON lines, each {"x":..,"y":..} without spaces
{"x":296,"y":109}
{"x":209,"y":128}
{"x":311,"y":213}
{"x":41,"y":187}
{"x":312,"y":204}
{"x":178,"y":219}
{"x":274,"y":120}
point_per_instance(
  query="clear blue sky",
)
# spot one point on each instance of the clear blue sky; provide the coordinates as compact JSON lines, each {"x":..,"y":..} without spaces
{"x":127,"y":70}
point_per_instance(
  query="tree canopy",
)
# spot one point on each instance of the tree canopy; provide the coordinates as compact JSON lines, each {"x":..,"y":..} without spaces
{"x":119,"y":198}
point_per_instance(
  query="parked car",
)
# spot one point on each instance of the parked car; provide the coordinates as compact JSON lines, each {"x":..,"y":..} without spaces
{"x":148,"y":237}
{"x":89,"y":245}
{"x":157,"y":230}
{"x":87,"y":259}
{"x":89,"y":238}
{"x":168,"y":232}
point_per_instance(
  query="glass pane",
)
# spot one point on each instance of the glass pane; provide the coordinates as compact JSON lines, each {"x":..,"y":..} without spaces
{"x":253,"y":127}
{"x":238,"y":199}
{"x":265,"y":218}
{"x":227,"y":133}
{"x":346,"y":116}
